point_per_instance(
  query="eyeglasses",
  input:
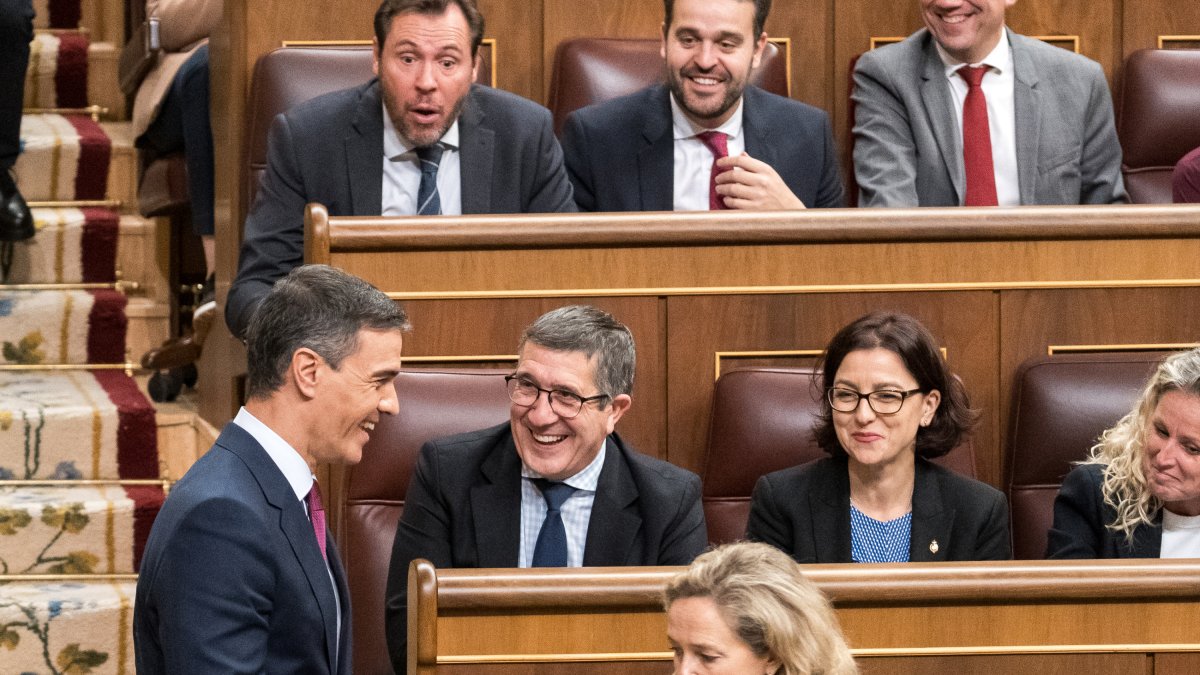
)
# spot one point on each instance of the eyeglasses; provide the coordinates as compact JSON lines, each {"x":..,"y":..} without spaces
{"x":565,"y":404}
{"x":883,"y":402}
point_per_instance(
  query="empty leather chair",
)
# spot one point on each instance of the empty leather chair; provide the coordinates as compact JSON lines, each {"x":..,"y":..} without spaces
{"x":1157,"y":119}
{"x":591,"y":70}
{"x":1062,"y":405}
{"x":762,"y":421}
{"x":433,"y":403}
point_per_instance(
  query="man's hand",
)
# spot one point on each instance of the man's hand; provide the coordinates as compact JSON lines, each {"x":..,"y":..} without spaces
{"x":751,"y":184}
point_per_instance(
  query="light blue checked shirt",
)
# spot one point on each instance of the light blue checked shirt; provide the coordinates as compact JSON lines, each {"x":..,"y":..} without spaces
{"x":576,"y":511}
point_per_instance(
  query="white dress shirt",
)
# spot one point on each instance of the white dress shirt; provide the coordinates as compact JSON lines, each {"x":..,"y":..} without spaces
{"x":298,"y":475}
{"x":402,"y":172}
{"x":693,"y":159}
{"x":576,"y":512}
{"x":998,"y":84}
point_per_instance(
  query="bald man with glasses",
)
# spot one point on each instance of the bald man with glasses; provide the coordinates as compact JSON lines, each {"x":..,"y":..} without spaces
{"x":555,"y":486}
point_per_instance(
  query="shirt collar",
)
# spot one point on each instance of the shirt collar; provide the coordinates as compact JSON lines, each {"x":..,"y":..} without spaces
{"x":586,"y":479}
{"x":999,"y":59}
{"x":684,"y":128}
{"x":290,"y":463}
{"x":395,"y":146}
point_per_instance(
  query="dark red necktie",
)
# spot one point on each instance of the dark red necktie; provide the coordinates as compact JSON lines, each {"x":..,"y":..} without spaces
{"x":977,"y":141}
{"x":316,"y":513}
{"x":716,"y":141}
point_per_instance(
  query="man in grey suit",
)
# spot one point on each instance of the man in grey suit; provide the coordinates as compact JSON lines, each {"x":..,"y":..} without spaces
{"x":1047,"y":135}
{"x":647,"y":151}
{"x":444,"y":146}
{"x":554,"y":486}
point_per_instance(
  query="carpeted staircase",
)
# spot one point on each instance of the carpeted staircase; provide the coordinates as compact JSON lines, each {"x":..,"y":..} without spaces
{"x":80,"y":474}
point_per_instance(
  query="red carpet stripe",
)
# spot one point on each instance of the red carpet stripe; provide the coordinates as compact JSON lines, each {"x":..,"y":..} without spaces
{"x":71,"y":75}
{"x":137,"y":431}
{"x":95,"y":150}
{"x":106,"y":328}
{"x":147,"y":500}
{"x":64,"y":13}
{"x":98,"y":250}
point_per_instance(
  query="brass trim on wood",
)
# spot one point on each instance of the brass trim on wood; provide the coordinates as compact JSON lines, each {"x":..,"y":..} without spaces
{"x":1051,"y":39}
{"x":493,"y":45}
{"x":811,"y":289}
{"x":77,"y":204}
{"x":1164,"y":39}
{"x":45,"y":367}
{"x":121,"y":286}
{"x":598,"y":657}
{"x":468,"y":358}
{"x":96,"y":111}
{"x":877,"y":42}
{"x":88,"y":482}
{"x":1051,"y":350}
{"x":717,"y":356}
{"x":785,"y":46}
{"x":5,"y":578}
{"x":326,"y":43}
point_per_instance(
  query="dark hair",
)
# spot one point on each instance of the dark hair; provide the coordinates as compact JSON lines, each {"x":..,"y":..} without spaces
{"x":318,"y":307}
{"x":390,"y":9}
{"x":917,"y":349}
{"x":587,"y":329}
{"x":761,"y":9}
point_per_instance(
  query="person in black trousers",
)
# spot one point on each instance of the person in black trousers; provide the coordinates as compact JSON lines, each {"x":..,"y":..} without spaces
{"x":16,"y":32}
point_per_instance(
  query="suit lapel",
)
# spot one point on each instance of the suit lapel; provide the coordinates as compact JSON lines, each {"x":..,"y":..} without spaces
{"x":364,"y":154}
{"x":939,"y":110}
{"x":656,"y":159}
{"x":344,"y":651}
{"x":929,"y":540}
{"x":496,"y":507}
{"x":477,"y":145}
{"x":829,"y":508}
{"x":1026,"y":104}
{"x":295,"y":525}
{"x":758,"y":143}
{"x":1147,"y":541}
{"x":615,"y":523}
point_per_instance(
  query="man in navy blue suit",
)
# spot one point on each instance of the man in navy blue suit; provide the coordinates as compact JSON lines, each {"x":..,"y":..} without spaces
{"x":655,"y":149}
{"x":239,"y":573}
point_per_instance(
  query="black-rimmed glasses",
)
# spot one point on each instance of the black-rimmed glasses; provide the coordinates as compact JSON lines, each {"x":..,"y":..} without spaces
{"x":564,"y":403}
{"x":883,"y":402}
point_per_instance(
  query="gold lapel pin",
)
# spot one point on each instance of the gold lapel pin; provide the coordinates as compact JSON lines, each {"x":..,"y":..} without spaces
{"x":933,"y":546}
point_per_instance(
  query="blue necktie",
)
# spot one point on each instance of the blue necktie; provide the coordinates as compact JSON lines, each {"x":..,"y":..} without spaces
{"x":428,"y":201}
{"x":551,"y":548}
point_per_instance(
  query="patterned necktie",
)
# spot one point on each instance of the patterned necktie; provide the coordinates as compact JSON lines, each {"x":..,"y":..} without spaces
{"x":977,"y":141}
{"x":428,"y":201}
{"x":551,"y":548}
{"x":716,"y":141}
{"x":316,"y":513}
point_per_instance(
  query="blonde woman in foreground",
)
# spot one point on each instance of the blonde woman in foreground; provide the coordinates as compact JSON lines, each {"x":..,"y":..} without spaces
{"x":745,"y":609}
{"x":1137,"y":495}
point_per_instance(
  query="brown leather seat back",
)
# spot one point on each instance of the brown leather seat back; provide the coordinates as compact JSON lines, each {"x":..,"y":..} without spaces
{"x":433,"y":403}
{"x":762,"y":421}
{"x":1062,"y":404}
{"x":591,"y":70}
{"x":1158,"y":122}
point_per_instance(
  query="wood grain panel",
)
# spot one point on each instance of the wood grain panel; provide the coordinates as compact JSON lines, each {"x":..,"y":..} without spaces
{"x":1094,"y":21}
{"x":1176,"y":664}
{"x":472,"y":327}
{"x":566,"y":19}
{"x":1032,"y":321}
{"x":516,"y":25}
{"x":1143,"y":22}
{"x":700,"y":326}
{"x":1017,"y":664}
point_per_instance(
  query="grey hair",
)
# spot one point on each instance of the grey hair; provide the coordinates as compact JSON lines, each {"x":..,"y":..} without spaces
{"x":595,"y":333}
{"x":317,"y":307}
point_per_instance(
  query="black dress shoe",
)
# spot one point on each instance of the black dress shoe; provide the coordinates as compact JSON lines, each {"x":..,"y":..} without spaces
{"x":16,"y":222}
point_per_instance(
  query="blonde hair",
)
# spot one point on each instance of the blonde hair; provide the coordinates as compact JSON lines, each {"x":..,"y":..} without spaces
{"x":770,"y":606}
{"x":1122,"y":449}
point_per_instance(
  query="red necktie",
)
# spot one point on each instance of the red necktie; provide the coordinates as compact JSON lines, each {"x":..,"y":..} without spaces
{"x":316,"y":513}
{"x":977,"y":141}
{"x":716,"y":141}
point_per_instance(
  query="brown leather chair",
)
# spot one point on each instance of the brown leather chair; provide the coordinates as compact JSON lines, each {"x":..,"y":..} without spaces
{"x":1062,"y":404}
{"x":762,"y":421}
{"x":591,"y":70}
{"x":433,"y":403}
{"x":1158,"y":120}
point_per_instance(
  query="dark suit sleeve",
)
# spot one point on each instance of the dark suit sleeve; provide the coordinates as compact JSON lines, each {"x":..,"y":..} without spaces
{"x":995,"y":542}
{"x":551,"y":191}
{"x":423,"y":532}
{"x":1078,"y":528}
{"x":884,"y":149}
{"x":830,"y":194}
{"x":687,"y":536}
{"x":216,"y":617}
{"x":273,"y":241}
{"x":1101,"y":182}
{"x":579,"y":169}
{"x":767,"y":523}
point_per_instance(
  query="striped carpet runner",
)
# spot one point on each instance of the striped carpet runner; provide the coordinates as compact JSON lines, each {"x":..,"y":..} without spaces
{"x":71,"y":245}
{"x":64,"y":157}
{"x":58,"y":71}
